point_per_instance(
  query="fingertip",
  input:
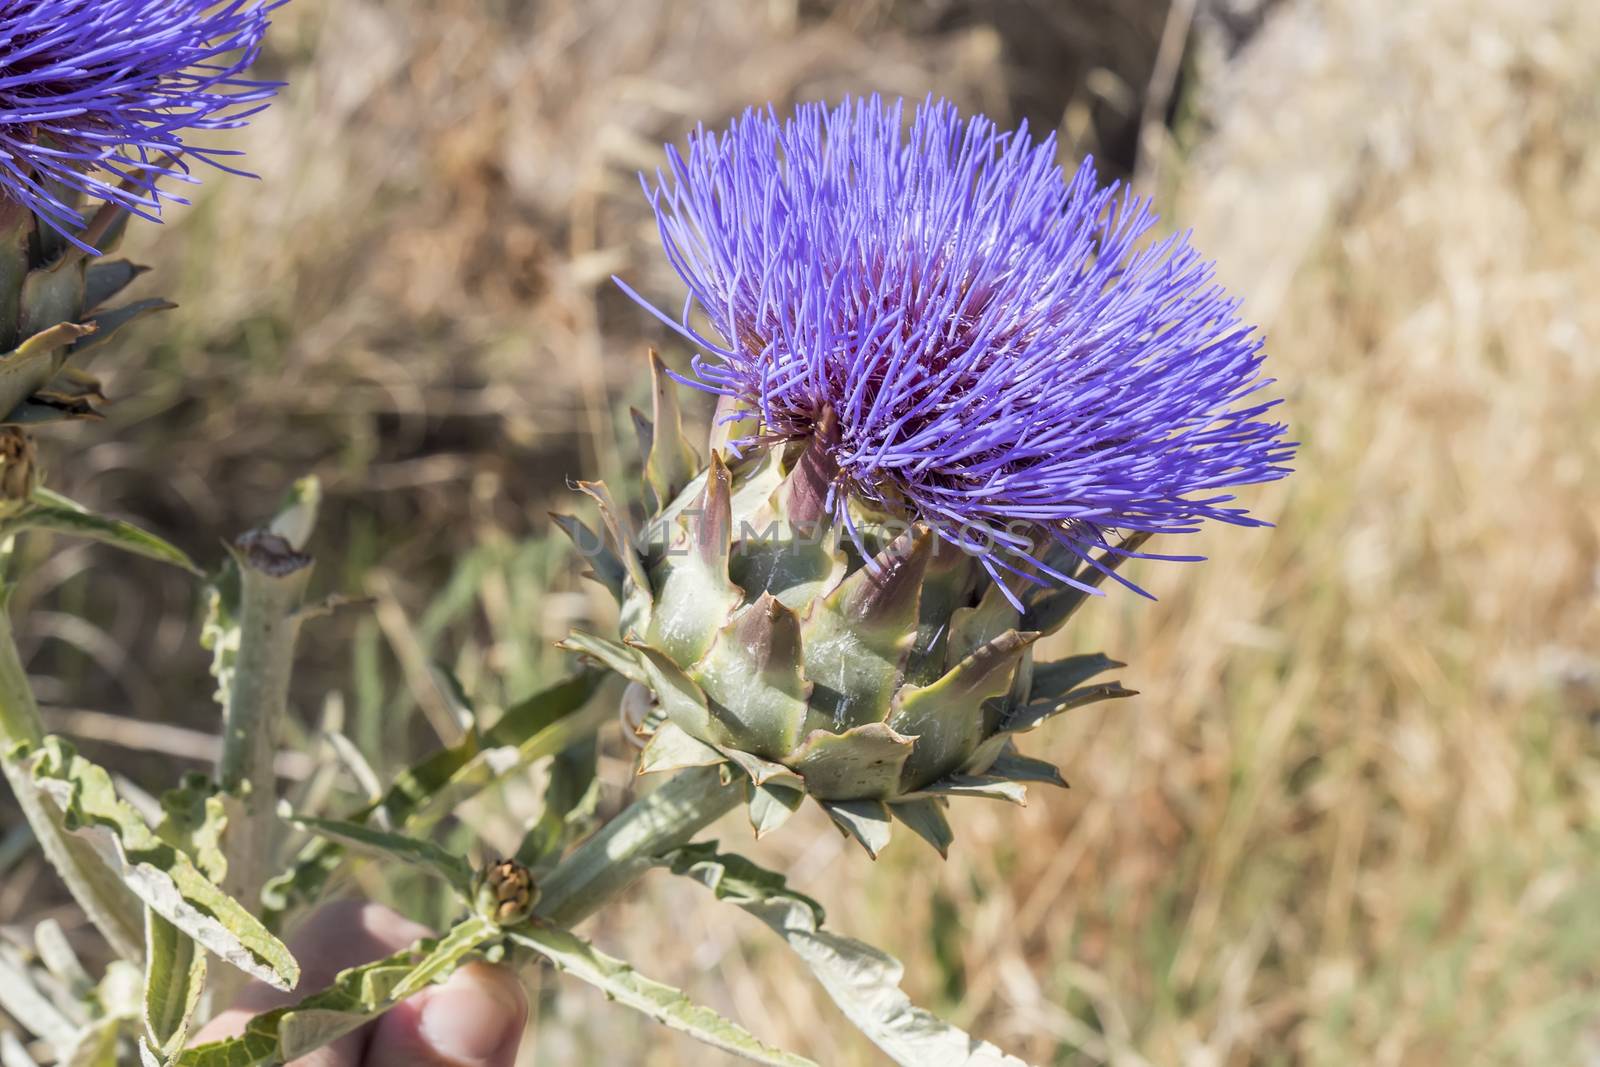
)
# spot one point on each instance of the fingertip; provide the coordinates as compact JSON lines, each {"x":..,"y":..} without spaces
{"x":475,"y":1019}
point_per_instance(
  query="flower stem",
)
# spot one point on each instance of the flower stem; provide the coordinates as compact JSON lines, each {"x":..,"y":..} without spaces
{"x":273,"y":576}
{"x":610,"y":861}
{"x":103,"y":897}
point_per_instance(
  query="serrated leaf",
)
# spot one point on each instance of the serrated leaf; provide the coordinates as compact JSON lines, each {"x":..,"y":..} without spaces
{"x":356,"y":997}
{"x":446,"y":955}
{"x":410,"y":850}
{"x":863,"y":981}
{"x":671,"y":1007}
{"x":53,"y":513}
{"x":162,"y":876}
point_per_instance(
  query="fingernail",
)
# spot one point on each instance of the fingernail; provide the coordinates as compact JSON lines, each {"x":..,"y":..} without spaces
{"x":472,"y":1016}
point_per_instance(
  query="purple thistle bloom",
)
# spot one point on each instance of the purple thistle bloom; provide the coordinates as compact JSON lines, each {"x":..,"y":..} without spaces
{"x":1007,"y":361}
{"x":97,"y":97}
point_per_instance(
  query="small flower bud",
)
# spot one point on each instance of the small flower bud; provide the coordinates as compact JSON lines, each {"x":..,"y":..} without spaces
{"x":506,"y":893}
{"x":19,"y":470}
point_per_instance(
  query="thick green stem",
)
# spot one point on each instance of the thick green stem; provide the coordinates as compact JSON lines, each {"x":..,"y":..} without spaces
{"x":610,"y":861}
{"x":272,"y":586}
{"x":103,"y":897}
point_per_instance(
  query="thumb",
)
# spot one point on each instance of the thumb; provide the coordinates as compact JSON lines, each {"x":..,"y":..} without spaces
{"x":476,"y":1019}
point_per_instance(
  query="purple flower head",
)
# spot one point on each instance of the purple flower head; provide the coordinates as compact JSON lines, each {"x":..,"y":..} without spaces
{"x":1006,"y":359}
{"x":98,"y":97}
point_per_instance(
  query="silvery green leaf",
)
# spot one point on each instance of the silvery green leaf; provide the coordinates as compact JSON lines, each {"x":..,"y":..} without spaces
{"x":543,"y":724}
{"x":446,"y":955}
{"x":411,"y":850}
{"x":356,"y":997}
{"x":13,"y":1053}
{"x":23,"y":1000}
{"x":863,"y":981}
{"x":94,"y":1046}
{"x":174,"y":978}
{"x":668,"y":1006}
{"x":159,"y":874}
{"x":50,"y":941}
{"x":54,"y":513}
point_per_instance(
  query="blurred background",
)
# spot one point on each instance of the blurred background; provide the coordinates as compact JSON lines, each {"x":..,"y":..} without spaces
{"x":1354,"y":816}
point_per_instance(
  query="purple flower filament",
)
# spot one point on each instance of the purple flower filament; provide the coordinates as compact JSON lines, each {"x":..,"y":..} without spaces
{"x":98,"y":97}
{"x":999,"y":345}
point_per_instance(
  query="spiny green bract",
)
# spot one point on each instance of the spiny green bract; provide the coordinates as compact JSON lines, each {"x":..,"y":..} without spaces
{"x":879,"y":687}
{"x":53,"y":306}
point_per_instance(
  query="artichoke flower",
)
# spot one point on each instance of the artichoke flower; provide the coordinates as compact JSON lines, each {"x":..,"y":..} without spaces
{"x":97,"y":102}
{"x":955,"y":392}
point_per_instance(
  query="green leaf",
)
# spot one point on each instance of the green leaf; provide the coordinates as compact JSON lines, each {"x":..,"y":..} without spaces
{"x":410,"y":850}
{"x":571,"y":799}
{"x":356,"y":997}
{"x":863,"y":981}
{"x":95,"y":1045}
{"x":174,"y":978}
{"x":446,"y":955}
{"x":22,"y":999}
{"x":13,"y":1053}
{"x":159,"y":874}
{"x":53,"y":513}
{"x":669,"y":1006}
{"x":542,"y":724}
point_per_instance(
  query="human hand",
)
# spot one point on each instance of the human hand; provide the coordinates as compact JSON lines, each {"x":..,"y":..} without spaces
{"x":476,"y":1019}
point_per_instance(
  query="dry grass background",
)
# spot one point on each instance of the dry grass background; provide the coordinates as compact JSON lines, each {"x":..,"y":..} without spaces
{"x":1354,"y":817}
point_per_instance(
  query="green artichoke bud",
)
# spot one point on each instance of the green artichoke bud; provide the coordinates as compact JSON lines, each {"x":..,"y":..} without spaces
{"x":880,"y":683}
{"x":54,"y":301}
